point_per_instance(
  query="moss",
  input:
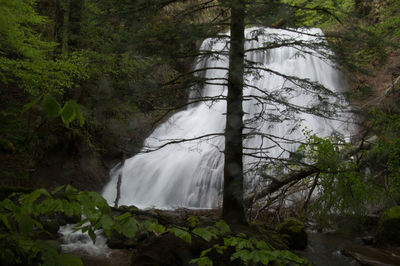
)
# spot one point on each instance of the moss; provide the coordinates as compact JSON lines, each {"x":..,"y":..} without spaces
{"x":294,"y":232}
{"x":389,"y":226}
{"x":392,"y":213}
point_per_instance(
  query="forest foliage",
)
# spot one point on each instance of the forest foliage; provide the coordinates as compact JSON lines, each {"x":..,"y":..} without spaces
{"x":21,"y":217}
{"x":73,"y":67}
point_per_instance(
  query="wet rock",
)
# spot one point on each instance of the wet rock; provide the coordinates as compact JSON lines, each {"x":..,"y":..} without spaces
{"x":116,"y":257}
{"x":371,"y":222}
{"x":371,"y":256}
{"x":389,"y":226}
{"x":63,"y":219}
{"x":165,"y":250}
{"x":52,"y":226}
{"x":294,"y":232}
{"x":54,"y":243}
{"x":118,"y":241}
{"x":351,"y":225}
{"x":369,"y":240}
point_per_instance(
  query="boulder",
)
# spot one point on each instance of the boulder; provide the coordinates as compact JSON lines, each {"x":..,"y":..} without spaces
{"x":169,"y":250}
{"x":119,"y":241}
{"x":293,"y":231}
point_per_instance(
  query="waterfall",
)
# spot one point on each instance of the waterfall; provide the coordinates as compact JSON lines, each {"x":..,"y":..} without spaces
{"x":190,"y":173}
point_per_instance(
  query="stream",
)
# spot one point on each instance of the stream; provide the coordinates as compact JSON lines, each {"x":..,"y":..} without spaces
{"x":323,"y":249}
{"x":326,"y":250}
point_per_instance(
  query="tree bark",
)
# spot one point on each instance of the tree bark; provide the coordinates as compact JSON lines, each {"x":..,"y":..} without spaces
{"x":74,"y":23}
{"x":59,"y":26}
{"x":119,"y":181}
{"x":233,"y":208}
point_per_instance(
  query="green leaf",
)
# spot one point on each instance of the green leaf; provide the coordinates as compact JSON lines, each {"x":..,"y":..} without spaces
{"x":129,"y":228}
{"x":244,"y":243}
{"x":230,"y":241}
{"x":68,"y":113}
{"x":204,"y":233}
{"x":182,"y":234}
{"x":4,"y":218}
{"x":92,"y":215}
{"x":92,"y":235}
{"x":193,"y":221}
{"x":219,"y":249}
{"x":49,"y":256}
{"x":262,"y":256}
{"x":106,"y":222}
{"x":202,"y":261}
{"x":289,"y":256}
{"x":243,"y":254}
{"x":66,"y":208}
{"x":57,"y":189}
{"x":223,"y":227}
{"x":70,"y":191}
{"x":11,"y":206}
{"x":30,"y":104}
{"x":25,"y":224}
{"x":79,"y":115}
{"x":48,"y":206}
{"x":84,"y":229}
{"x":123,"y":216}
{"x":68,"y":260}
{"x":77,"y":208}
{"x":100,"y":202}
{"x":155,"y":226}
{"x":205,"y":252}
{"x":37,"y":224}
{"x":36,"y":194}
{"x":262,"y":245}
{"x":51,"y":107}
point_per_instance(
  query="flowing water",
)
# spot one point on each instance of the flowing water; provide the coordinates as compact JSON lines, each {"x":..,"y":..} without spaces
{"x":98,"y":254}
{"x":76,"y":241}
{"x":190,"y":173}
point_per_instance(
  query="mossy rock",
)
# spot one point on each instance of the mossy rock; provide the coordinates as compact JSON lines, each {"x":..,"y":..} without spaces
{"x":389,"y":226}
{"x":267,"y":234}
{"x":294,"y":233}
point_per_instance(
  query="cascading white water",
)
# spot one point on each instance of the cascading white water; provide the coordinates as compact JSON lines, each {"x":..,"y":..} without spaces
{"x":190,"y":173}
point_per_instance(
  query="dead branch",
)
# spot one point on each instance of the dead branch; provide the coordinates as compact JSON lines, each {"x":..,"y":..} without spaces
{"x":277,"y":184}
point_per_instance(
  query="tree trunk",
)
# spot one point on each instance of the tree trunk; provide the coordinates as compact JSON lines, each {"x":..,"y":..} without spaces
{"x":233,"y":209}
{"x":74,"y":24}
{"x":59,"y":26}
